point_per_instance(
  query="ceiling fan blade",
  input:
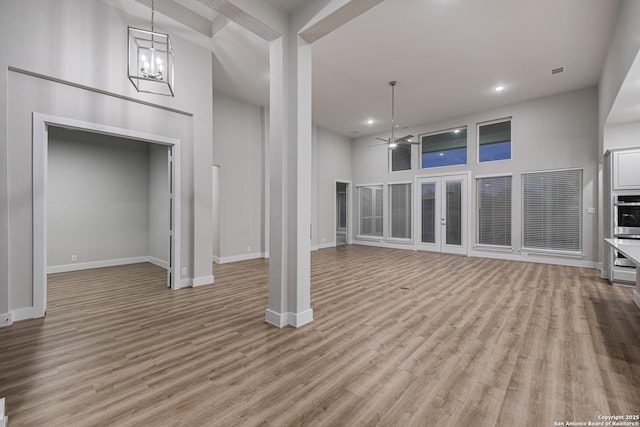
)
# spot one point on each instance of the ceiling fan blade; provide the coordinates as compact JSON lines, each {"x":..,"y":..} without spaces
{"x":405,"y":138}
{"x":382,"y":139}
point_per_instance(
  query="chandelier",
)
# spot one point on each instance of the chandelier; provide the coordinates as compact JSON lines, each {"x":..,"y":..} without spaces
{"x":150,"y":60}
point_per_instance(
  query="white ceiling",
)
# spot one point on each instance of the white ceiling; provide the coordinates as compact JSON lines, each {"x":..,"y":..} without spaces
{"x":447,"y":56}
{"x":288,"y":6}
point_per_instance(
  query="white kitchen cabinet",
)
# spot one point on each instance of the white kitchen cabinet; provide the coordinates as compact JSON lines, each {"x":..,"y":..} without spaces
{"x":626,"y":170}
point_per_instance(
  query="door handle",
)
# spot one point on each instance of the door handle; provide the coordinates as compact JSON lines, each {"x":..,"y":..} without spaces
{"x":442,"y":221}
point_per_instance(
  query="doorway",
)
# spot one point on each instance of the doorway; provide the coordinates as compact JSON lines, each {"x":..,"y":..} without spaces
{"x":342,"y":213}
{"x":41,"y":125}
{"x":442,"y":213}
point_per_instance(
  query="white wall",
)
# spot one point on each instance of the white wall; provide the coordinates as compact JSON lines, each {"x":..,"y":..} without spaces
{"x":84,"y":42}
{"x":238,"y":149}
{"x":548,"y":133}
{"x":97,"y":199}
{"x":333,"y":154}
{"x":622,"y":51}
{"x":624,"y":135}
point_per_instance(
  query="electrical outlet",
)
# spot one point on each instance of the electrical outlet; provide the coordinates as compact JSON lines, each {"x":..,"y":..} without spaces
{"x":591,"y":211}
{"x":74,"y":258}
{"x":184,"y":271}
{"x":248,"y":248}
{"x":5,"y":319}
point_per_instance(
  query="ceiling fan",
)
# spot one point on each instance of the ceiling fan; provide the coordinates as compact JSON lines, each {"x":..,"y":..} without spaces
{"x":393,"y":142}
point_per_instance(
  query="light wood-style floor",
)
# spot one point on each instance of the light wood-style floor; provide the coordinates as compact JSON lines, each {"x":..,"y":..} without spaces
{"x":400,"y":338}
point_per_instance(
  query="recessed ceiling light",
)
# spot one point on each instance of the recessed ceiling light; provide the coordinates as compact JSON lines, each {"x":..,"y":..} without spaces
{"x":370,"y":121}
{"x":499,"y":88}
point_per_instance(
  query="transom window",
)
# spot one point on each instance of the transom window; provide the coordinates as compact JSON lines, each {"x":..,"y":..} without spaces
{"x":400,"y":157}
{"x":494,"y":141}
{"x":445,"y":148}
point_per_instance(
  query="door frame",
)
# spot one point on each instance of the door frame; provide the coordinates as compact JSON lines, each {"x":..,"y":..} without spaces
{"x":465,"y":200}
{"x":349,"y":204}
{"x":41,"y":123}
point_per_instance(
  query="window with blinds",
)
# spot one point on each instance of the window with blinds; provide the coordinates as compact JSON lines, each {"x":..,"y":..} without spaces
{"x":400,"y":211}
{"x":370,"y":210}
{"x":552,"y":210}
{"x":494,"y":211}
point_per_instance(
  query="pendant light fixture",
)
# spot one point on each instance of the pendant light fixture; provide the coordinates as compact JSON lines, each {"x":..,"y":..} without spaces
{"x":150,"y":60}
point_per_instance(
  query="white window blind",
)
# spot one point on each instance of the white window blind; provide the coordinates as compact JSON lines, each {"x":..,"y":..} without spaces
{"x":552,"y":210}
{"x":494,"y":211}
{"x":400,"y":210}
{"x":371,"y":210}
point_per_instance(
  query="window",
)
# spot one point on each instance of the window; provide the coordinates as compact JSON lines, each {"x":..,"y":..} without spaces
{"x":401,"y":158}
{"x":494,"y":141}
{"x":370,"y":201}
{"x":400,"y":211}
{"x":341,"y":207}
{"x":445,"y":148}
{"x":552,"y":210}
{"x":494,"y":211}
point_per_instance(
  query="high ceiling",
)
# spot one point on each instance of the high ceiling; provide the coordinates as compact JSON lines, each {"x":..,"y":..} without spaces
{"x":447,"y":56}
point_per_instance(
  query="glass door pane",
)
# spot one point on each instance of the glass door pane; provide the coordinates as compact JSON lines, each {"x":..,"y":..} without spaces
{"x":453,"y":213}
{"x":428,"y":212}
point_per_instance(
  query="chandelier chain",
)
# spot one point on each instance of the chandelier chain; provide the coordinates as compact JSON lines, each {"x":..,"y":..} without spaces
{"x":153,"y":11}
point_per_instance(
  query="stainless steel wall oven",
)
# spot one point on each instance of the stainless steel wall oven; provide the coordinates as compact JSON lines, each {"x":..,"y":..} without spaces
{"x":626,"y":223}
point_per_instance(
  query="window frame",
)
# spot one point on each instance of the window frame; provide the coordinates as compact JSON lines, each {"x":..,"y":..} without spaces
{"x":410,"y":211}
{"x":485,"y":246}
{"x":391,"y":150}
{"x":557,"y":252}
{"x":443,"y":131}
{"x":493,"y":122}
{"x":359,"y":235}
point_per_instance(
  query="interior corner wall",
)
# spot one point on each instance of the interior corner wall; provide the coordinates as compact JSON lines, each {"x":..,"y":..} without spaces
{"x":84,"y":43}
{"x":333,"y":163}
{"x":238,"y":151}
{"x":97,"y":198}
{"x":555,"y":132}
{"x":623,"y":49}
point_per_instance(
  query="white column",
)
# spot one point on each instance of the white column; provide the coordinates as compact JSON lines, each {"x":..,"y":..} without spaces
{"x":290,"y":183}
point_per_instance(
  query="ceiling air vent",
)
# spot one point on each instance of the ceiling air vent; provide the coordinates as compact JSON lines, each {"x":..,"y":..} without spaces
{"x":557,"y":70}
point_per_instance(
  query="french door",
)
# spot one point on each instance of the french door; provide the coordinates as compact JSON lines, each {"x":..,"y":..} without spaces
{"x":442,"y":211}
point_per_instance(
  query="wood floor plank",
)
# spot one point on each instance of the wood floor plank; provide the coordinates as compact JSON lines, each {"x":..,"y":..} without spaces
{"x":398,"y":338}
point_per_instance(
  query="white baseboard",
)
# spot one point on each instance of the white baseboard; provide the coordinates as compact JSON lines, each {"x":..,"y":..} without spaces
{"x":204,"y":280}
{"x":293,"y":319}
{"x":216,"y":259}
{"x":323,"y":246}
{"x":5,"y":320}
{"x":242,"y":257}
{"x":506,"y":255}
{"x":636,"y":297}
{"x":379,"y":244}
{"x":24,"y":313}
{"x":96,"y":264}
{"x":157,"y":261}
